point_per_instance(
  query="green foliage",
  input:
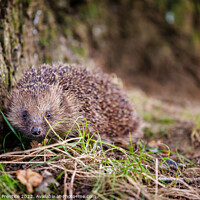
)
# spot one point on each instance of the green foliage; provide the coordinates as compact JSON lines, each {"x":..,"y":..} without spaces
{"x":109,"y":167}
{"x":166,"y":121}
{"x":91,"y":11}
{"x":8,"y":185}
{"x":13,"y":131}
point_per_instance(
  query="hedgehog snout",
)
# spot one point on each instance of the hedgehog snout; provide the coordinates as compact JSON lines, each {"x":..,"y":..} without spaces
{"x":36,"y":131}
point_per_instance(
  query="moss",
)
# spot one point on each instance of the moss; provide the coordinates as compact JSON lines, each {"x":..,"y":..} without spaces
{"x":4,"y":79}
{"x":148,"y":116}
{"x":181,"y":12}
{"x":166,"y":121}
{"x":48,"y":31}
{"x":47,"y":59}
{"x":26,"y":3}
{"x":90,"y":11}
{"x":2,"y":26}
{"x":70,"y":23}
{"x":80,"y":51}
{"x":149,"y":133}
{"x":15,"y":20}
{"x":14,"y":42}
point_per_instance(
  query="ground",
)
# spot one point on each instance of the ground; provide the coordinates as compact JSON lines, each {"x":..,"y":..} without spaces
{"x":163,"y":165}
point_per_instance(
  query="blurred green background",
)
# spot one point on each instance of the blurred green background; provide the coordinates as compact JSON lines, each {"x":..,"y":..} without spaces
{"x":152,"y":45}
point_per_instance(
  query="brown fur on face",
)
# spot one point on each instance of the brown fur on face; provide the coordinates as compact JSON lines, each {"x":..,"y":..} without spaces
{"x":61,"y":92}
{"x":28,"y":110}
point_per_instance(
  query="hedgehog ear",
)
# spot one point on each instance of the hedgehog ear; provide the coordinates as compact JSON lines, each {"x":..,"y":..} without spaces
{"x":7,"y":102}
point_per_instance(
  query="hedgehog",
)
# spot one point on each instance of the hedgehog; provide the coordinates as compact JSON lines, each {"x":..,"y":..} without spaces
{"x":62,"y":94}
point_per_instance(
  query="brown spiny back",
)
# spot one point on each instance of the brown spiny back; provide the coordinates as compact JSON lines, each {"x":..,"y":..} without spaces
{"x":76,"y":91}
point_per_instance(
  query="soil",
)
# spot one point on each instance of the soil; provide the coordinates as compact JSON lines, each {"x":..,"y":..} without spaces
{"x":165,"y":127}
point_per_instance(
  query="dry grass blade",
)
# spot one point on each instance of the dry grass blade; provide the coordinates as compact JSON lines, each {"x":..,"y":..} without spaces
{"x":72,"y":183}
{"x":187,"y":180}
{"x":114,"y":173}
{"x":140,"y":189}
{"x":65,"y":186}
{"x":156,"y":187}
{"x":40,"y":149}
{"x":154,"y":180}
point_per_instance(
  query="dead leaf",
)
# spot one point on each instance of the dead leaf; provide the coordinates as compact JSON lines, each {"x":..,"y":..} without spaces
{"x":35,"y":144}
{"x":155,"y":143}
{"x":16,"y":158}
{"x":44,"y":142}
{"x":47,"y":180}
{"x":29,"y":178}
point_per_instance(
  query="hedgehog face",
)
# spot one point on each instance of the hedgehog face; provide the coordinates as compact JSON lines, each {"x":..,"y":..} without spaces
{"x":30,"y":110}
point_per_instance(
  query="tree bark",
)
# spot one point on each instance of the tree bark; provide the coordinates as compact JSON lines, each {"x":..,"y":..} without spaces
{"x":130,"y":38}
{"x":29,"y":36}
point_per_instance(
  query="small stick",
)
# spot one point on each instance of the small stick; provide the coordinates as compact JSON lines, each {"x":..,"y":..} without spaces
{"x":65,"y":186}
{"x":72,"y":183}
{"x":187,"y":180}
{"x":156,"y":189}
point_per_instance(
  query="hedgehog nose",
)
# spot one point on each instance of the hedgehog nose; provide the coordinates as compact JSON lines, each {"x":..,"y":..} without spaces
{"x":35,"y":131}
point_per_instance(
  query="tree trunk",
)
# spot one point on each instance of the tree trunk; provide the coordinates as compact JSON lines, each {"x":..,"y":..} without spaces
{"x":29,"y":36}
{"x":131,"y":38}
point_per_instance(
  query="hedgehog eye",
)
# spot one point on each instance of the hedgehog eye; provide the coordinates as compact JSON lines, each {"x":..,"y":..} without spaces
{"x":24,"y":114}
{"x":48,"y":115}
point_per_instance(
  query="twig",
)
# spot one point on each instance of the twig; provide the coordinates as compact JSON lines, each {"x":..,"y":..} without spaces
{"x":41,"y":148}
{"x":156,"y":189}
{"x":72,"y":183}
{"x":187,"y":180}
{"x":153,"y":179}
{"x":65,"y":186}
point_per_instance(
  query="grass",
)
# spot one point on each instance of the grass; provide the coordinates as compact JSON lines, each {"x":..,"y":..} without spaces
{"x":12,"y":130}
{"x":8,"y":185}
{"x":195,"y":136}
{"x":100,"y":165}
{"x":86,"y":166}
{"x":115,"y":173}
